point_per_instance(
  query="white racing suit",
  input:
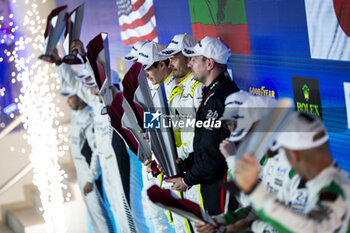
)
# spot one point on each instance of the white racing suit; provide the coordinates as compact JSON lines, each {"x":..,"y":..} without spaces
{"x":183,"y":102}
{"x":279,"y":178}
{"x":82,"y":133}
{"x":127,"y":211}
{"x":327,"y":210}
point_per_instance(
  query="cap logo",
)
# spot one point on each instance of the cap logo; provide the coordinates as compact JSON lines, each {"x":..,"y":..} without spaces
{"x":200,"y":44}
{"x":168,"y":52}
{"x":129,"y":58}
{"x":144,"y":55}
{"x":133,"y":47}
{"x":187,"y":51}
{"x":174,"y":42}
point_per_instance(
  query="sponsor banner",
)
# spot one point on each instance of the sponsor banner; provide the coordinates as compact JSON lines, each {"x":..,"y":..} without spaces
{"x":307,"y":98}
{"x":262,"y":91}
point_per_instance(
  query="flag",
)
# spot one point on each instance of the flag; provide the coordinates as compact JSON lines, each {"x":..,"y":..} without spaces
{"x":137,"y":21}
{"x":328,"y":23}
{"x":224,"y":19}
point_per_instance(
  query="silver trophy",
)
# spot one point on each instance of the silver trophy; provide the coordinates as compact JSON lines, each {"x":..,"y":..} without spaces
{"x":183,"y":207}
{"x":99,"y":64}
{"x":56,"y":22}
{"x":129,"y":122}
{"x":116,"y":113}
{"x":163,"y":139}
{"x":130,"y":85}
{"x":73,"y":28}
{"x":143,"y":94}
{"x":261,"y":139}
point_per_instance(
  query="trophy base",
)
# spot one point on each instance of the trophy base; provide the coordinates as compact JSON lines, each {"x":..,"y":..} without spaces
{"x":71,"y":59}
{"x":47,"y":58}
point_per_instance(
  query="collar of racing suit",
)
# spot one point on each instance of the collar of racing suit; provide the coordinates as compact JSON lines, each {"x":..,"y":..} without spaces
{"x":324,"y":177}
{"x":178,"y":89}
{"x":210,"y":90}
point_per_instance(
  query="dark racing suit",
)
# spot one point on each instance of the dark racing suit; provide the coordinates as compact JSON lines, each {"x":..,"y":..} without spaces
{"x":209,"y":166}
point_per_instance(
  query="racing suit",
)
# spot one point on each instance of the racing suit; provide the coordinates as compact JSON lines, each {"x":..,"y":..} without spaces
{"x":327,"y":210}
{"x":121,"y":201}
{"x":183,"y":103}
{"x":209,"y":165}
{"x":82,"y":132}
{"x":279,"y":178}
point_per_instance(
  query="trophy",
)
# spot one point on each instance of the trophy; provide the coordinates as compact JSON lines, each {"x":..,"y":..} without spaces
{"x":183,"y":207}
{"x":129,"y":122}
{"x":163,"y":139}
{"x":73,"y":28}
{"x":99,"y":63}
{"x":138,"y":97}
{"x":259,"y":141}
{"x":56,"y":22}
{"x":116,"y":112}
{"x":263,"y":136}
{"x":131,"y":83}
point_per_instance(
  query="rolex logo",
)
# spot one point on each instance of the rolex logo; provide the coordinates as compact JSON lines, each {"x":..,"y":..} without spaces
{"x":307,"y":95}
{"x":306,"y":92}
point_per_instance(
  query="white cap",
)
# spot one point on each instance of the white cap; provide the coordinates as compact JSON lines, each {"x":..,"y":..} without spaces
{"x":232,"y":103}
{"x":66,"y":91}
{"x":210,"y":47}
{"x":299,"y":132}
{"x":133,"y":55}
{"x":179,"y":43}
{"x":149,"y":54}
{"x":251,"y":111}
